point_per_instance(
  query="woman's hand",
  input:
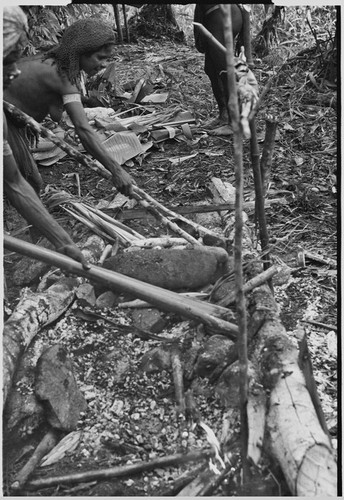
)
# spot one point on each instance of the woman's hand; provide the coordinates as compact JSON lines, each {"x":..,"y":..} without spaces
{"x":72,"y":251}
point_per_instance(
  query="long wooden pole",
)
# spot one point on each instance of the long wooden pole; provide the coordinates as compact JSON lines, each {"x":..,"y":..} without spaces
{"x":233,"y":108}
{"x":121,"y":471}
{"x":164,"y":299}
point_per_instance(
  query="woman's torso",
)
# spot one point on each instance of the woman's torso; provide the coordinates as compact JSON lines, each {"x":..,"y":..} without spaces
{"x":39,"y":88}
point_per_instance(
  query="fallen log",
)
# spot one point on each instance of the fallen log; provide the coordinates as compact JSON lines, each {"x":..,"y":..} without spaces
{"x":294,"y":436}
{"x":159,"y":297}
{"x":33,"y":312}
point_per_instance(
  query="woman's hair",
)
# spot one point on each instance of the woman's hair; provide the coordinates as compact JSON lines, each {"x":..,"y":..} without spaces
{"x":14,"y":29}
{"x":83,"y":37}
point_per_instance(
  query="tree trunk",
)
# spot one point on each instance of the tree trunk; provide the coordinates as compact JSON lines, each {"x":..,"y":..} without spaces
{"x":155,"y":21}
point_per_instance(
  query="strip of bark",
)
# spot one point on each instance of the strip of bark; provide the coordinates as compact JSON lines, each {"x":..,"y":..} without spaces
{"x":159,"y":297}
{"x":177,"y":370}
{"x":305,"y":363}
{"x":124,"y":471}
{"x":48,"y":442}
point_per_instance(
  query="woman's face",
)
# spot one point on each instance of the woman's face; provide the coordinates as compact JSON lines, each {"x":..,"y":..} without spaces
{"x":10,"y":69}
{"x":92,"y":63}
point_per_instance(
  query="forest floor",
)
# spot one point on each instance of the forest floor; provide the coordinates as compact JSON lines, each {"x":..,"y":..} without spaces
{"x":131,"y":416}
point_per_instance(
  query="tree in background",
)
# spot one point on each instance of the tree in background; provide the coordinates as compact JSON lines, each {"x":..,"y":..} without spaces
{"x":156,"y":21}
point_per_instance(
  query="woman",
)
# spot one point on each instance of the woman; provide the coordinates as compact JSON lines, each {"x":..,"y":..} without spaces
{"x":18,"y":190}
{"x":212,"y":18}
{"x":54,"y":82}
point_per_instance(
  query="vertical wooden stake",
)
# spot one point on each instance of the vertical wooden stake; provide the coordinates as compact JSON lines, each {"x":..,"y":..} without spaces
{"x":126,"y":23}
{"x":240,"y":302}
{"x":118,"y":23}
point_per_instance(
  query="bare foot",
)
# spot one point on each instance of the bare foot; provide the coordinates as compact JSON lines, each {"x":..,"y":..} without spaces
{"x":222,"y":130}
{"x":217,"y":122}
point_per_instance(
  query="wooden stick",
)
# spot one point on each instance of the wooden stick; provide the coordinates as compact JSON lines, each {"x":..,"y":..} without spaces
{"x":25,"y":119}
{"x":321,"y":325}
{"x":159,"y":297}
{"x":260,"y":201}
{"x":233,"y":108}
{"x":141,"y":304}
{"x":251,"y":284}
{"x":213,"y":484}
{"x":124,"y":471}
{"x":126,"y":23}
{"x":210,"y":37}
{"x":137,"y":213}
{"x":48,"y":442}
{"x":268,"y":148}
{"x":170,"y":213}
{"x":118,"y":22}
{"x":319,"y":258}
{"x":140,"y":196}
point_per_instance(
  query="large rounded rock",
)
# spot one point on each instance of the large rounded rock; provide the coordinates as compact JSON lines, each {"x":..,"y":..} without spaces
{"x":56,"y":387}
{"x":173,"y":269}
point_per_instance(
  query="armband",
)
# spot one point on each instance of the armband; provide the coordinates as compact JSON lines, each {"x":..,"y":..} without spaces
{"x":67,"y":98}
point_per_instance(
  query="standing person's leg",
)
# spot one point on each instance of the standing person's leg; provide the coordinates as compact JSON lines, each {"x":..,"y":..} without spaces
{"x":215,"y":62}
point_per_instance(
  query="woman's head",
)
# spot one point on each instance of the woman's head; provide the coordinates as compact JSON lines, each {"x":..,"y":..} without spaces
{"x":83,"y":38}
{"x":14,"y":37}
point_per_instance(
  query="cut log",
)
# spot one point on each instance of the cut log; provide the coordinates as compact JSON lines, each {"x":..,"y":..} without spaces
{"x":295,"y":437}
{"x":33,"y":312}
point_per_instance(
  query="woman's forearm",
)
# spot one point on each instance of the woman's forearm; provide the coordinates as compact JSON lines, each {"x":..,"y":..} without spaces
{"x":25,"y":200}
{"x":94,"y":147}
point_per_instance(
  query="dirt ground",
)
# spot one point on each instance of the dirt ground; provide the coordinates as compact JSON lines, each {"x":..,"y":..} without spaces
{"x":131,"y":415}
